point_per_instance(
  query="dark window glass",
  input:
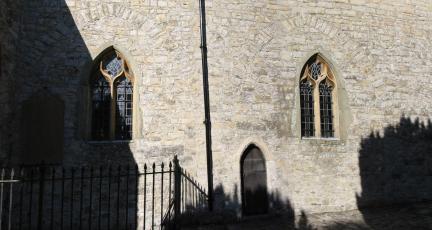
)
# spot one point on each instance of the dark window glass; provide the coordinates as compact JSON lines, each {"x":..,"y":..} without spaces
{"x":307,"y":109}
{"x":325,"y":91}
{"x":124,"y":92}
{"x":101,"y":103}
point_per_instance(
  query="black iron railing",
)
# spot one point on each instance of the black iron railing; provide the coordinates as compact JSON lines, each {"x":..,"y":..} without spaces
{"x":189,"y":198}
{"x":102,"y":197}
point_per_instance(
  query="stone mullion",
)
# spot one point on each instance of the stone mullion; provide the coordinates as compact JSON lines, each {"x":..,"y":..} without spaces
{"x":335,"y":112}
{"x":112,"y":111}
{"x":317,"y":112}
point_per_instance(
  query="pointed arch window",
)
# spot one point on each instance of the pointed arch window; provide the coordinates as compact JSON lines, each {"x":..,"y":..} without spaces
{"x":112,"y":98}
{"x":317,"y":94}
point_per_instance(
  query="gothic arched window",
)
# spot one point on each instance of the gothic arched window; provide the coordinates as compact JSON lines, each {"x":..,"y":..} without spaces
{"x":112,"y":98}
{"x":317,"y":92}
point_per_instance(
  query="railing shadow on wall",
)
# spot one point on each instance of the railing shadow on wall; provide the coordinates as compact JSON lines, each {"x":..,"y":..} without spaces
{"x":227,"y":213}
{"x":98,"y":197}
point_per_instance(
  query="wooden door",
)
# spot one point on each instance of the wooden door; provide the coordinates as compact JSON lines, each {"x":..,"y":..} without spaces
{"x":254,"y":182}
{"x":42,"y":129}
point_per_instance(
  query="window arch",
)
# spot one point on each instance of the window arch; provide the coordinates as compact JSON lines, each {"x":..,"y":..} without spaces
{"x":317,"y":96}
{"x":111,"y":98}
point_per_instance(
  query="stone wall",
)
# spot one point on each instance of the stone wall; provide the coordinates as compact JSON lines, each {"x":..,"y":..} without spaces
{"x":8,"y":36}
{"x":378,"y":51}
{"x":58,"y":42}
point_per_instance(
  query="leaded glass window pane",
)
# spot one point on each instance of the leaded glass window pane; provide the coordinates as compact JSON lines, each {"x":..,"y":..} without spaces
{"x":325,"y":92}
{"x":112,"y":65}
{"x":101,"y":103}
{"x":124,"y":92}
{"x":315,"y":70}
{"x":307,"y":109}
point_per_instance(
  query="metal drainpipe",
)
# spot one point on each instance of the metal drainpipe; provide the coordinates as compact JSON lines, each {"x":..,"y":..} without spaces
{"x":207,"y":120}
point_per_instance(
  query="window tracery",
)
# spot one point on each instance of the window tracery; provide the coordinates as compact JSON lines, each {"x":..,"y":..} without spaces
{"x":317,"y":90}
{"x":112,"y":98}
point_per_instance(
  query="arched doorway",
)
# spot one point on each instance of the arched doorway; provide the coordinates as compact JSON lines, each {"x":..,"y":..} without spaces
{"x":253,"y":182}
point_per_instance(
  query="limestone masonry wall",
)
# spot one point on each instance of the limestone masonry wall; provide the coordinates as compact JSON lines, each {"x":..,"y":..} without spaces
{"x":379,"y":51}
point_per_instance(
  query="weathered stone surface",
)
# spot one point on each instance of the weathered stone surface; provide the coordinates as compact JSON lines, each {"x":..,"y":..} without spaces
{"x":398,"y":218}
{"x":379,"y":51}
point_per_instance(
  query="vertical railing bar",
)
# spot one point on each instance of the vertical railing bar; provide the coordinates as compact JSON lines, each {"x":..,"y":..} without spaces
{"x":145,"y":195}
{"x":191,"y":192}
{"x":153,"y":194}
{"x":1,"y":196}
{"x":118,"y":197}
{"x":202,"y":197}
{"x":109,"y":196}
{"x":169,"y":182}
{"x":127,"y":197}
{"x":169,"y":194}
{"x":197,"y":192}
{"x":187,"y":184}
{"x":71,"y":198}
{"x":181,"y":192}
{"x":30,"y":200}
{"x":188,"y":189}
{"x":100,"y":198}
{"x":62,"y":198}
{"x":21,"y":198}
{"x":161,"y":209}
{"x":52,"y":197}
{"x":81,"y":198}
{"x":199,"y":199}
{"x":184,"y":183}
{"x":193,"y":189}
{"x":185,"y":194}
{"x":41,"y":196}
{"x":11,"y":199}
{"x":193,"y":196}
{"x":169,"y":191}
{"x":90,"y":197}
{"x":194,"y":192}
{"x":135,"y":226}
{"x":177,"y":192}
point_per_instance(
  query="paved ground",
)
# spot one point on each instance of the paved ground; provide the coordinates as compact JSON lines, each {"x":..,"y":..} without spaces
{"x":416,"y":217}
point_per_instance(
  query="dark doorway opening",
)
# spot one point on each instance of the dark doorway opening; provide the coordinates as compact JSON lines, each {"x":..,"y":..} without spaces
{"x":254,"y":182}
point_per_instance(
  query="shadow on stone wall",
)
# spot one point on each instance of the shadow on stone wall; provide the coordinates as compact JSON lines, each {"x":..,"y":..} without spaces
{"x":48,"y":57}
{"x":8,"y":40}
{"x":50,"y":61}
{"x":396,"y":167}
{"x":396,"y":178}
{"x":228,"y":211}
{"x":396,"y":173}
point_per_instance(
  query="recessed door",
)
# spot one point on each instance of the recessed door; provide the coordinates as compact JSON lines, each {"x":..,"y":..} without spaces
{"x":254,"y":182}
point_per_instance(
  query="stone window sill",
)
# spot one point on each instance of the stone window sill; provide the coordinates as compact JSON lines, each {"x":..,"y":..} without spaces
{"x":111,"y":142}
{"x":322,"y":141}
{"x":321,"y":138}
